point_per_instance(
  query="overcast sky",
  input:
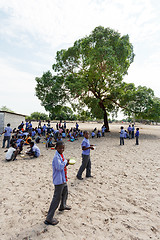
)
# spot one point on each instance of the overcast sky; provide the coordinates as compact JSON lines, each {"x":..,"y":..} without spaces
{"x":32,"y":31}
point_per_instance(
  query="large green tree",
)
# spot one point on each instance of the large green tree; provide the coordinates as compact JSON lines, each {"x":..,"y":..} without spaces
{"x":91,"y":71}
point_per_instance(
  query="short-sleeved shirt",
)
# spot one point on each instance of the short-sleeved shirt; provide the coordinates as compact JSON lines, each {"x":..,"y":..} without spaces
{"x":36,"y":151}
{"x":9,"y":153}
{"x":85,"y":143}
{"x":8,"y":131}
{"x":122,"y":133}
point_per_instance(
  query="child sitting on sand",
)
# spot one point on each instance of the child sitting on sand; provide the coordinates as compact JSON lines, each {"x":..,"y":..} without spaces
{"x":93,"y":134}
{"x":50,"y":143}
{"x":60,"y":182}
{"x":12,"y":152}
{"x":34,"y":150}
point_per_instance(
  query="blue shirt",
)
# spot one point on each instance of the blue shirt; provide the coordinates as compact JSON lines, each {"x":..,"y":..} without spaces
{"x":122,"y":133}
{"x":85,"y":143}
{"x":93,"y":134}
{"x":36,"y":150}
{"x":129,"y":129}
{"x":8,"y":131}
{"x":58,"y":169}
{"x":39,"y":130}
{"x":137,"y":134}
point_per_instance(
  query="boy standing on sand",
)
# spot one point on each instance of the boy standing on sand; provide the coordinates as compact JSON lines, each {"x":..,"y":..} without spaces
{"x":137,"y":136}
{"x":86,"y":162}
{"x":7,"y":135}
{"x":60,"y":182}
{"x":122,"y":136}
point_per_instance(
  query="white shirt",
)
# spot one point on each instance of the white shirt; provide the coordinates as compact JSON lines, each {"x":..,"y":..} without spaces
{"x":9,"y":153}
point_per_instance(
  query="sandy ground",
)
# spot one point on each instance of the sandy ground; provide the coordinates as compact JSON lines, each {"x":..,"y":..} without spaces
{"x":121,"y":201}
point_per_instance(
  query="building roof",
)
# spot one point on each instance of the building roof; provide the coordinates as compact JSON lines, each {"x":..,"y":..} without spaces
{"x":13,"y":113}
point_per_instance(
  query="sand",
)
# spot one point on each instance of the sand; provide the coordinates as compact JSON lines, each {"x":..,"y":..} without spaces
{"x":121,"y":201}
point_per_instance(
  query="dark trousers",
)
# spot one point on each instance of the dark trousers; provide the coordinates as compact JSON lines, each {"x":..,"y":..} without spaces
{"x":132,"y":134}
{"x":86,"y":164}
{"x":6,"y":138}
{"x":60,"y":195}
{"x":121,"y":140}
{"x":137,"y":142}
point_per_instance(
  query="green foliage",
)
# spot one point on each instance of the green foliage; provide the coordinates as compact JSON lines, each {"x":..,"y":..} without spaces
{"x":4,"y":108}
{"x":38,"y":116}
{"x":62,"y":113}
{"x":91,"y":71}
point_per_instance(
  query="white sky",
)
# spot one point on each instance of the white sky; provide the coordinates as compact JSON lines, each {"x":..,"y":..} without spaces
{"x":31,"y":32}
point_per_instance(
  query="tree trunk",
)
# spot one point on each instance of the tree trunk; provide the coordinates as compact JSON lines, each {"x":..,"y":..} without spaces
{"x":106,"y":121}
{"x":105,"y":116}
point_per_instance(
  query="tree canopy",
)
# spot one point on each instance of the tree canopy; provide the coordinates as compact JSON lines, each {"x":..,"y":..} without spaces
{"x":91,"y":72}
{"x":4,"y":108}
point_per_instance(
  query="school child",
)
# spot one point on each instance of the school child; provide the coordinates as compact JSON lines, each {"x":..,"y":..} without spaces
{"x":122,"y":136}
{"x":63,"y":134}
{"x":93,"y":134}
{"x":30,"y":127}
{"x":59,"y":138}
{"x":80,"y":133}
{"x":27,"y":126}
{"x":86,"y":162}
{"x":137,"y":136}
{"x":20,"y":146}
{"x":7,"y":135}
{"x":34,"y":150}
{"x":38,"y":138}
{"x":126,"y":134}
{"x":103,"y":130}
{"x":12,"y":153}
{"x":59,"y":164}
{"x":33,"y":133}
{"x":98,"y":134}
{"x":49,"y":143}
{"x":28,"y":140}
{"x":19,"y":139}
{"x":13,"y":139}
{"x":129,"y":131}
{"x":77,"y":125}
{"x":39,"y":131}
{"x":44,"y":130}
{"x":133,"y":128}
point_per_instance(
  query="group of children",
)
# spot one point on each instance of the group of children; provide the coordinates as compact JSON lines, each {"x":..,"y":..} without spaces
{"x":59,"y":167}
{"x":129,"y":133}
{"x":59,"y":163}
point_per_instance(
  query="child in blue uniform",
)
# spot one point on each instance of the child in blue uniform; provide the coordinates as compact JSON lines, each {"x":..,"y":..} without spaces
{"x":60,"y":182}
{"x":122,"y":136}
{"x":86,"y":162}
{"x":137,"y":136}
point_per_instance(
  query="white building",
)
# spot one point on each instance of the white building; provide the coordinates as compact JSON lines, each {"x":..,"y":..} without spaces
{"x":14,"y":119}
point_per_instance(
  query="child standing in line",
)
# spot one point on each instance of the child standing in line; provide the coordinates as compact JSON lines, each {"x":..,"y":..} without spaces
{"x":129,"y":131}
{"x":122,"y":136}
{"x":133,"y":128}
{"x":86,"y":162}
{"x":60,"y":182}
{"x":137,"y":136}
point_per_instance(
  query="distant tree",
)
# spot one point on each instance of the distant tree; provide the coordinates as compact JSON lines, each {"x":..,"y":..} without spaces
{"x":4,"y":108}
{"x":62,"y":113}
{"x":38,"y":116}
